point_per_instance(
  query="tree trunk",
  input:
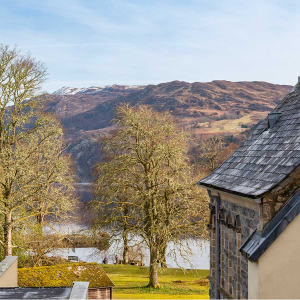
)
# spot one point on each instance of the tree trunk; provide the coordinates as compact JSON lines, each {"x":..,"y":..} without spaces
{"x":7,"y":235}
{"x":154,"y":263}
{"x":125,"y":248}
{"x":40,"y":219}
{"x":163,"y":259}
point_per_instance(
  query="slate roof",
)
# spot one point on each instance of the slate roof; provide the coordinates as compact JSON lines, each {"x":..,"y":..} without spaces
{"x":257,"y":243}
{"x":267,"y":157}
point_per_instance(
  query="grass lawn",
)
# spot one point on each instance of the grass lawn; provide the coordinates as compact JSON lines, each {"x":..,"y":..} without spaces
{"x":130,"y":282}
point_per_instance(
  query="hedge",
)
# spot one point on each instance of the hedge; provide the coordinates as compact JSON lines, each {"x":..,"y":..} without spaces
{"x":64,"y":275}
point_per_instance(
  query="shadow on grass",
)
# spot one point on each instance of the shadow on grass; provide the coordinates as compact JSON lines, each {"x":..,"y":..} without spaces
{"x":163,"y":289}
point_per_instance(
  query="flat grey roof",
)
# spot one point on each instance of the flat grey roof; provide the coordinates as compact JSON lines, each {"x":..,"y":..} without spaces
{"x":36,"y":293}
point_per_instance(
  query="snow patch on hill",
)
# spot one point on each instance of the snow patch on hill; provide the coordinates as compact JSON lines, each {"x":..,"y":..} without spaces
{"x":93,"y":89}
{"x":65,"y":90}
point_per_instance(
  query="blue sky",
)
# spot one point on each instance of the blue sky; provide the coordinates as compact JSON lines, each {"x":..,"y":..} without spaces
{"x":101,"y":42}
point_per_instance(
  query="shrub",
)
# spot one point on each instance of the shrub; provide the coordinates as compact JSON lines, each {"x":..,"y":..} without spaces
{"x":27,"y":261}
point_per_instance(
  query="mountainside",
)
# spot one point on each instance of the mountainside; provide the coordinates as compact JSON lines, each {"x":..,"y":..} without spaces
{"x":217,"y":106}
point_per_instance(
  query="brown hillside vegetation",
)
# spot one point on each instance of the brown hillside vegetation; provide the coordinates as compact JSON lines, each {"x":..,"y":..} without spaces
{"x":213,"y":107}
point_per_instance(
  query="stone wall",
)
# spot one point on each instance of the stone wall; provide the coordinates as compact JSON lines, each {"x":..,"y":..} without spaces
{"x":276,"y":199}
{"x":233,"y":267}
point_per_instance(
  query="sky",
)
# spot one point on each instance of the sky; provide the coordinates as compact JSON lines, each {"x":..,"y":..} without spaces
{"x":135,"y":42}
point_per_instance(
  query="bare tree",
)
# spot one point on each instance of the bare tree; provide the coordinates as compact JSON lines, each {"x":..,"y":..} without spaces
{"x":38,"y":244}
{"x":55,"y":200}
{"x":210,"y":151}
{"x":113,"y":206}
{"x":35,"y":178}
{"x":148,"y":165}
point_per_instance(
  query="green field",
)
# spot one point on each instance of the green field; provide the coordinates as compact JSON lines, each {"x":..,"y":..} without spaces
{"x":130,"y":282}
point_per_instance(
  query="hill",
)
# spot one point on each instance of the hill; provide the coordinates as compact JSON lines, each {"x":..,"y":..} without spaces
{"x":217,"y":106}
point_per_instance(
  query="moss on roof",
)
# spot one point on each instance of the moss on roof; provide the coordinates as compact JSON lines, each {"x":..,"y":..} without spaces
{"x":64,"y":275}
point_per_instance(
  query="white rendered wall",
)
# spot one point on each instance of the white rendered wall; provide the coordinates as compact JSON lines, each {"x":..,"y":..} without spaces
{"x":277,"y":273}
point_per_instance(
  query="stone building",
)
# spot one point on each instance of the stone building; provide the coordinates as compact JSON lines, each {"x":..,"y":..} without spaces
{"x":254,"y":204}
